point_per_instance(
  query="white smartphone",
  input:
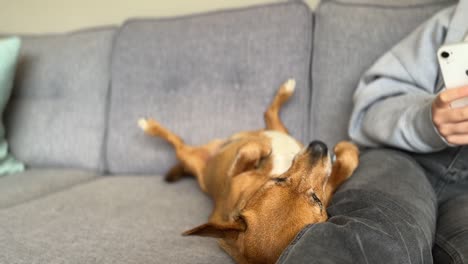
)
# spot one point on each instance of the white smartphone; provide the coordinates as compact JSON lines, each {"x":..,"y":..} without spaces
{"x":453,"y":62}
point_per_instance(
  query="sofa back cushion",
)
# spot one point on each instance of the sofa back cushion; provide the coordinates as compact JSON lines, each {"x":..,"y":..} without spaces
{"x":56,"y":115}
{"x":204,"y":77}
{"x":349,"y":36}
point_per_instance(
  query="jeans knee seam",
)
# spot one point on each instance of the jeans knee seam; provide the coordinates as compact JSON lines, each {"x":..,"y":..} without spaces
{"x":446,"y":246}
{"x":394,"y":203}
{"x":452,"y":163}
{"x":402,"y":213}
{"x":440,"y":187}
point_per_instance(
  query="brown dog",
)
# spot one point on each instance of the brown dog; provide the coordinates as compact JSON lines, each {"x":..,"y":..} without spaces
{"x":265,"y":186}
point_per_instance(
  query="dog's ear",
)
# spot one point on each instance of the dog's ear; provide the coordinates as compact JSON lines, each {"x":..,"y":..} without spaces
{"x":217,"y":230}
{"x":248,"y":157}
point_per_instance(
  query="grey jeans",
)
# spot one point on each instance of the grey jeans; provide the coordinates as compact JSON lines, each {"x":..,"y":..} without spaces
{"x":396,"y":208}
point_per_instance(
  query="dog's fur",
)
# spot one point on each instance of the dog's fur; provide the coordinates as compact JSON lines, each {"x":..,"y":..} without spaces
{"x":265,"y":186}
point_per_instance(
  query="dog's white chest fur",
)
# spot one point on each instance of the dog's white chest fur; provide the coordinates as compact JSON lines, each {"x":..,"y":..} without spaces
{"x":284,"y":148}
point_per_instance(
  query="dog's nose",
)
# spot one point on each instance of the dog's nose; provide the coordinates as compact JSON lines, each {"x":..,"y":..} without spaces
{"x":317,"y":148}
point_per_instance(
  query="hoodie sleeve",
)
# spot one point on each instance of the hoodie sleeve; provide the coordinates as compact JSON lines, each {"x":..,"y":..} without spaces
{"x":392,"y":104}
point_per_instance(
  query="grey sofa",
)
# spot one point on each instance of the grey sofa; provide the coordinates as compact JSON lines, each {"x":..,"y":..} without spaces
{"x":93,"y":191}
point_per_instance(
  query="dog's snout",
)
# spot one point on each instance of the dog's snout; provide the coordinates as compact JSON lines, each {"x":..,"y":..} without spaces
{"x":317,"y":148}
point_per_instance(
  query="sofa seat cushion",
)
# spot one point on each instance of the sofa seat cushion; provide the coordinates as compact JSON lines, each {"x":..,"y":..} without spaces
{"x":115,"y":219}
{"x":204,"y":77}
{"x":36,"y":183}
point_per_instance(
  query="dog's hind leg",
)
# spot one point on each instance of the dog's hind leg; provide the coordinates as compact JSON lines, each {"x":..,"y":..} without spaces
{"x":271,"y":115}
{"x":175,"y":173}
{"x":192,"y":159}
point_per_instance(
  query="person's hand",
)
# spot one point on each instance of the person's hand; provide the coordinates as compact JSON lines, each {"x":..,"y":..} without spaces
{"x":452,"y":123}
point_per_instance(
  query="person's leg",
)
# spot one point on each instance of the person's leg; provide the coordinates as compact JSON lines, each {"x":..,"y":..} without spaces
{"x":451,"y":243}
{"x":385,"y":213}
{"x":447,"y":170}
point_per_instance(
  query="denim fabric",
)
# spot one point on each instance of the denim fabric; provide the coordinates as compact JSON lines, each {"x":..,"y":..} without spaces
{"x":452,"y":231}
{"x":385,"y":213}
{"x":448,"y":172}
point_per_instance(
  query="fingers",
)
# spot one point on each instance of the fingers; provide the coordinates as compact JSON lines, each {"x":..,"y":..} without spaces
{"x":453,"y":129}
{"x":455,"y":133}
{"x":444,"y":99}
{"x":452,"y":123}
{"x":444,"y":116}
{"x":442,"y":113}
{"x":457,"y":140}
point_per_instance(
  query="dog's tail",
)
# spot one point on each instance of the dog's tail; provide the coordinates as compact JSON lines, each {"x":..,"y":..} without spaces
{"x":153,"y":128}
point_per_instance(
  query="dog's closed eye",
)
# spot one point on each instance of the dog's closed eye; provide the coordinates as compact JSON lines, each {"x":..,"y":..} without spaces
{"x":279,"y":179}
{"x":316,"y":200}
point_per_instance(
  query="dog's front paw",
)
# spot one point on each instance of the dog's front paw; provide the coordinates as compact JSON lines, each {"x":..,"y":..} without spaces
{"x":346,"y":147}
{"x":347,"y":154}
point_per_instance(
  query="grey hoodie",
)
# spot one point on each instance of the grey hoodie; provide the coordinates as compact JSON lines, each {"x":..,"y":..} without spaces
{"x":392,"y":104}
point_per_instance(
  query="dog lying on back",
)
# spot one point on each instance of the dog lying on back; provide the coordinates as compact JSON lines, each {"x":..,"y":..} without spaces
{"x":266,"y":187}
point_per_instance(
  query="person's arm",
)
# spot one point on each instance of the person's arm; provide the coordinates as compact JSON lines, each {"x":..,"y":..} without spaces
{"x":392,"y":104}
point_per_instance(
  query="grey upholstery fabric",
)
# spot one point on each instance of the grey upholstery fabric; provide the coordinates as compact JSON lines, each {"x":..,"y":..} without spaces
{"x":115,"y":219}
{"x":390,"y":3}
{"x":348,"y":39}
{"x":205,"y":77}
{"x":57,"y":110}
{"x":33,"y":184}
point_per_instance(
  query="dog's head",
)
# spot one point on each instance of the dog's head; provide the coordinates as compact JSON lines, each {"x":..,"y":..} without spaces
{"x":271,"y":210}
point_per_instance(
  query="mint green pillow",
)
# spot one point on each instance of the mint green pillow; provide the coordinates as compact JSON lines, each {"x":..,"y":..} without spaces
{"x":9,"y":51}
